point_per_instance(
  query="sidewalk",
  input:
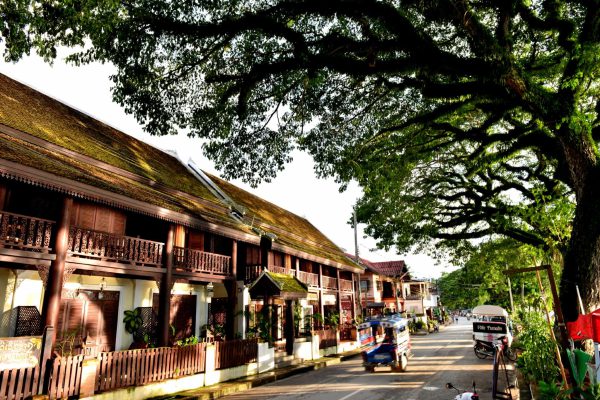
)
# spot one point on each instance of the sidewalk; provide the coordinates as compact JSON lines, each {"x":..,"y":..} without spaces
{"x":249,"y":382}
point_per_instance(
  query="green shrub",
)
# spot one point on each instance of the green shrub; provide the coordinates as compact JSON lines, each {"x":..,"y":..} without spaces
{"x":538,"y":356}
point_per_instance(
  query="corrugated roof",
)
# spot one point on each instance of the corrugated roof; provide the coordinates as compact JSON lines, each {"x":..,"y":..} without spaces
{"x":385,"y":268}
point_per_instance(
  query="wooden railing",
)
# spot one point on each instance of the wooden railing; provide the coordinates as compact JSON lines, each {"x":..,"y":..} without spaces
{"x":108,"y":247}
{"x":312,"y":280}
{"x":25,"y":233}
{"x":233,"y":353}
{"x":329,"y":282}
{"x":22,"y":383}
{"x":327,"y":338}
{"x":282,"y":270}
{"x":138,"y":367}
{"x":252,"y":272}
{"x":414,"y":297}
{"x":199,"y":261}
{"x":346,"y":285}
{"x":65,"y":377}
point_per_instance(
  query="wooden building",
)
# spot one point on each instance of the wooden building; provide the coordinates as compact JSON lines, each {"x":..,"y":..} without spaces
{"x":94,"y":223}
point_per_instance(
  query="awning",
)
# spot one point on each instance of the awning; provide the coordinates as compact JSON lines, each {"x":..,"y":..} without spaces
{"x":271,"y":284}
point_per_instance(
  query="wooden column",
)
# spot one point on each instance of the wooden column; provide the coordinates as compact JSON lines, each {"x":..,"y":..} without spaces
{"x":164,"y":294}
{"x":231,"y":288}
{"x":2,"y":196}
{"x":234,"y":259}
{"x":265,"y":247}
{"x":297,"y":266}
{"x":339,"y":294}
{"x":289,"y":327}
{"x":54,"y":283}
{"x":321,"y":306}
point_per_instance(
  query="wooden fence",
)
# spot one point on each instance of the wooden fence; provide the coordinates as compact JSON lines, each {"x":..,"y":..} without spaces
{"x":233,"y":353}
{"x":65,"y":377}
{"x":327,"y":338}
{"x":139,"y":367}
{"x":17,"y":384}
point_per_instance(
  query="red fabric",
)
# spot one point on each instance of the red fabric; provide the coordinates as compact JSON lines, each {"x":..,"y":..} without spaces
{"x":596,"y":325}
{"x":582,"y":328}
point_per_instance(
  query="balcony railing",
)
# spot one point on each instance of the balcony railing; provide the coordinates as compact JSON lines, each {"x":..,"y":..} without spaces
{"x":25,"y":233}
{"x":414,"y":297}
{"x":253,"y":271}
{"x":329,"y":282}
{"x":310,"y":279}
{"x":108,"y":247}
{"x":282,"y":270}
{"x":346,"y":285}
{"x":199,"y":261}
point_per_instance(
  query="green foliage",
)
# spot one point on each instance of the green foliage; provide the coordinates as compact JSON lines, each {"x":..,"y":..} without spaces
{"x":551,"y":391}
{"x":132,"y":320}
{"x":332,"y":319}
{"x":482,"y":279}
{"x":216,"y":330}
{"x":189,"y":341}
{"x":456,"y":128}
{"x":538,"y":358}
{"x":66,"y":344}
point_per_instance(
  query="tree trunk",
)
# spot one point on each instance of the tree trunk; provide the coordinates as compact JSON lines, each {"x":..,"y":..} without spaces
{"x":582,"y":258}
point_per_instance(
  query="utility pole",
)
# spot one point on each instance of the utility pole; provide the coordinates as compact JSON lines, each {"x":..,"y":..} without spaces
{"x":357,"y":259}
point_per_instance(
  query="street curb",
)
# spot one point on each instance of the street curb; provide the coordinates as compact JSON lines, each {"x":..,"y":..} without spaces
{"x":246,"y":383}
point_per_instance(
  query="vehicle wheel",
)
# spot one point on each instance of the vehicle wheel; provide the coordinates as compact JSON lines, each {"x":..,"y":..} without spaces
{"x":480,"y":354}
{"x":511,"y":354}
{"x":403,"y":364}
{"x":370,"y":369}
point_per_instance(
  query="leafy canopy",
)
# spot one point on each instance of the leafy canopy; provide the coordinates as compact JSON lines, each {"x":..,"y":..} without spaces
{"x":459,"y":118}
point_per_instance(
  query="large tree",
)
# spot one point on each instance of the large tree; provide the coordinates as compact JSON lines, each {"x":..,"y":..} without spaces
{"x":460,"y":118}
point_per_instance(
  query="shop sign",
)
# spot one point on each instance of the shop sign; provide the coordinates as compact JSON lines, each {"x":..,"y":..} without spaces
{"x":20,"y":352}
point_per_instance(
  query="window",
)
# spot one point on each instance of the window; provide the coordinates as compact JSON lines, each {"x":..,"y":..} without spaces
{"x":364,"y":286}
{"x":379,"y":285}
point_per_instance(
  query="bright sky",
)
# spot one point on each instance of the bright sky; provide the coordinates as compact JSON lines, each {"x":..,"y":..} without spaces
{"x":296,"y":189}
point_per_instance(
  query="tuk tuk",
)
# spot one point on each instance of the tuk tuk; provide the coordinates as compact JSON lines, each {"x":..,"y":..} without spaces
{"x":393,"y":351}
{"x":493,"y":323}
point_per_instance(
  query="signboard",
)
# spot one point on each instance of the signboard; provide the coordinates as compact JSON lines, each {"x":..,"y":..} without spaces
{"x":312,"y":296}
{"x":489,"y":327}
{"x":329,"y":299}
{"x":20,"y":352}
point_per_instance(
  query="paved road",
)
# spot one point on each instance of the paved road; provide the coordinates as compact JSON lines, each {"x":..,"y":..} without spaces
{"x":439,"y":358}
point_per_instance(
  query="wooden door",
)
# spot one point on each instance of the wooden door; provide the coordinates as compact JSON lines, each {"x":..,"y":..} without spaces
{"x":91,"y":315}
{"x":183,"y":315}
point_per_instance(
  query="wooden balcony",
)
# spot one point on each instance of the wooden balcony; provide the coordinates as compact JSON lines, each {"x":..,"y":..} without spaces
{"x":346,"y":285}
{"x":86,"y":243}
{"x":414,"y":297}
{"x":22,"y":232}
{"x":197,"y":261}
{"x":329,"y":283}
{"x":253,"y":271}
{"x":310,"y":279}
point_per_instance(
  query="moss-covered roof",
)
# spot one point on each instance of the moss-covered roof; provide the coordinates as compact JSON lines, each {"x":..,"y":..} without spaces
{"x":291,"y":229}
{"x":30,"y":111}
{"x":287,"y":283}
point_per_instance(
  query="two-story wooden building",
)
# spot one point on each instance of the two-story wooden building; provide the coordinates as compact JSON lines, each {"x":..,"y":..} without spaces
{"x":381,"y":286}
{"x":94,"y":223}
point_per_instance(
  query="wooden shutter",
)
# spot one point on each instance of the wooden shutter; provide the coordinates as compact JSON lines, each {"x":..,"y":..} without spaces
{"x":99,"y":218}
{"x":182,"y":316}
{"x":196,"y":240}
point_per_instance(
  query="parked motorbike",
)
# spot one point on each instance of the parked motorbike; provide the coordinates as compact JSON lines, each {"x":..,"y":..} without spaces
{"x":464,"y":395}
{"x":485,"y":349}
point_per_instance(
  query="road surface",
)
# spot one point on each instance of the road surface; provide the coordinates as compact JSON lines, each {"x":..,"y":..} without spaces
{"x":441,"y":357}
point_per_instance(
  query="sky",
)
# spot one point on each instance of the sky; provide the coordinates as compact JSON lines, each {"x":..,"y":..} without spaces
{"x":87,"y":88}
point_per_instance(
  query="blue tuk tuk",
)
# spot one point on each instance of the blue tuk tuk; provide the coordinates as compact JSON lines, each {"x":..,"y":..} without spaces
{"x":393,"y":351}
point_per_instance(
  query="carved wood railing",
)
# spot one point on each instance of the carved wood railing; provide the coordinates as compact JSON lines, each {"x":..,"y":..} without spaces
{"x":25,"y":233}
{"x":329,"y":282}
{"x":109,"y":247}
{"x":346,"y":285}
{"x":312,"y":280}
{"x":199,"y":261}
{"x":282,"y":270}
{"x":252,"y":272}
